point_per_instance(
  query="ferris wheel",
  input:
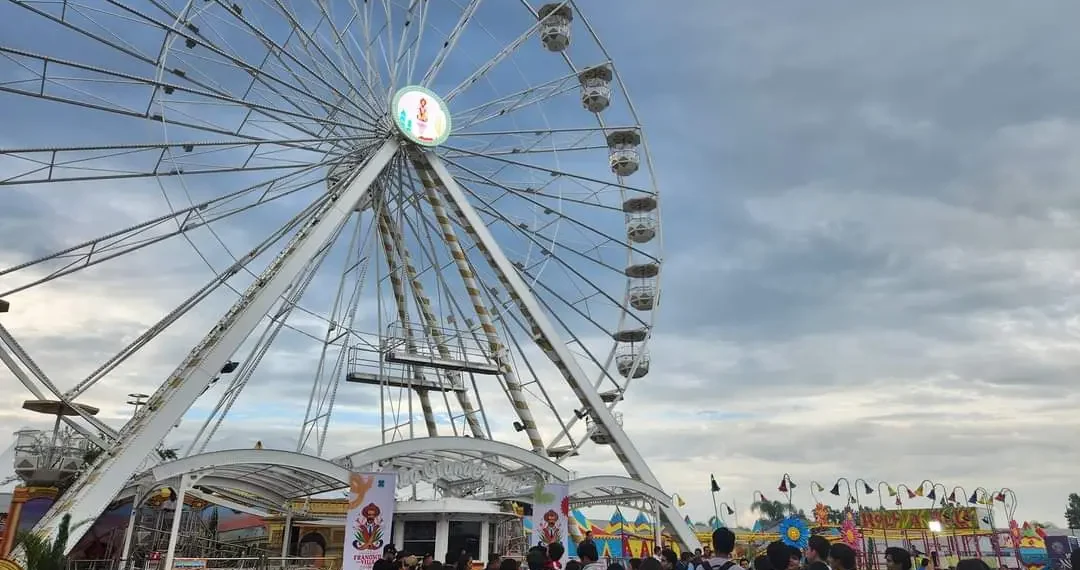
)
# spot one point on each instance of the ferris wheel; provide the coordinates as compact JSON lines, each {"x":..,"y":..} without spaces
{"x":408,"y":218}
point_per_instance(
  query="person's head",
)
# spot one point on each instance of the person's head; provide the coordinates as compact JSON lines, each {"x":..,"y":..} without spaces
{"x":841,"y":557}
{"x":794,"y":557}
{"x":389,"y":552}
{"x":697,"y":553}
{"x":723,"y":541}
{"x":707,"y":551}
{"x":635,"y":563}
{"x":464,"y":562}
{"x":509,"y":564}
{"x":650,"y":564}
{"x":573,"y":565}
{"x":817,"y":549}
{"x":494,"y":558}
{"x":586,"y":552}
{"x":744,"y":563}
{"x":779,"y":555}
{"x":668,"y":559}
{"x":897,"y":558}
{"x":761,"y":562}
{"x":435,"y":565}
{"x":537,"y":558}
{"x":555,"y":551}
{"x":411,"y":561}
{"x":428,"y":559}
{"x":976,"y":564}
{"x":588,"y":535}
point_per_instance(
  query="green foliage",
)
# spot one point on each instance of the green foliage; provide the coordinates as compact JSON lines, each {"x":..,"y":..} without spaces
{"x":45,"y":554}
{"x":772,"y":511}
{"x":1072,"y":511}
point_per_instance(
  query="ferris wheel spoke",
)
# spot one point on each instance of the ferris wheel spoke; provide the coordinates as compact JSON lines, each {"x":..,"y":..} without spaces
{"x":507,"y":104}
{"x":341,"y":45}
{"x":451,"y":42}
{"x":482,"y":71}
{"x":270,"y":80}
{"x":153,"y":159}
{"x":110,"y":246}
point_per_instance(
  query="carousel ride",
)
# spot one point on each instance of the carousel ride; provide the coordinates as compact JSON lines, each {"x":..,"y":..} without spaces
{"x":424,"y":235}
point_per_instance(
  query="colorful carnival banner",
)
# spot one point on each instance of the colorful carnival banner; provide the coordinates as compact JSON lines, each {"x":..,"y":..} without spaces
{"x":963,"y":518}
{"x":1057,"y":552}
{"x":370,"y":519}
{"x":551,"y":515}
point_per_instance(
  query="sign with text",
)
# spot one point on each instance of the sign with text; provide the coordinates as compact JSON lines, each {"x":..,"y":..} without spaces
{"x":370,"y":519}
{"x":551,"y":515}
{"x":962,"y":518}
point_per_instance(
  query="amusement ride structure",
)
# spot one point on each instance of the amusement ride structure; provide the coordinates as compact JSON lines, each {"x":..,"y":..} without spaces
{"x":438,"y":221}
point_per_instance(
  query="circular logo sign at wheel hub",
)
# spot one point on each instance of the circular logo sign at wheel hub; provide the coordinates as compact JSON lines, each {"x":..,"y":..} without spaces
{"x":421,"y":116}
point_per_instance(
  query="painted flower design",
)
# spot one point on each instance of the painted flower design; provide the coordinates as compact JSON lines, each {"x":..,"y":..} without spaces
{"x":794,"y":532}
{"x":850,"y":535}
{"x":821,"y":515}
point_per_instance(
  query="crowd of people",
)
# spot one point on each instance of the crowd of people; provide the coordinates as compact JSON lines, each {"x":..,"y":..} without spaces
{"x":820,"y":554}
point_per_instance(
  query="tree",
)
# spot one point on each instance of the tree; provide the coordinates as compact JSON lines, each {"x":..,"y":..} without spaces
{"x":772,"y":511}
{"x":45,"y":554}
{"x":1072,"y":511}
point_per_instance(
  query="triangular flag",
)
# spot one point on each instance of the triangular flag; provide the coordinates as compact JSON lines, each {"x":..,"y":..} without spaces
{"x":729,"y":510}
{"x":835,"y":489}
{"x":910,"y":494}
{"x":892,"y":492}
{"x":952,"y":496}
{"x":974,"y":498}
{"x":898,"y":503}
{"x":817,"y":486}
{"x":1000,"y":497}
{"x":763,"y":499}
{"x":932,"y":495}
{"x":919,"y":491}
{"x":867,"y":488}
{"x":679,"y":501}
{"x":783,"y":485}
{"x":712,"y":483}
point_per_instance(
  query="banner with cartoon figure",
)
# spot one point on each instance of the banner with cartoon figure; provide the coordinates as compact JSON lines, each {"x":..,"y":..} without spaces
{"x":551,"y":515}
{"x":370,"y":520}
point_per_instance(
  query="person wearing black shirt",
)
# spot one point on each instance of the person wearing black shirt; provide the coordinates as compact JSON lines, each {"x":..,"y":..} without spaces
{"x":817,"y":553}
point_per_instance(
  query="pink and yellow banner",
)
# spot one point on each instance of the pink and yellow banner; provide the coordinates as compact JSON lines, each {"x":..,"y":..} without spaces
{"x":370,"y":520}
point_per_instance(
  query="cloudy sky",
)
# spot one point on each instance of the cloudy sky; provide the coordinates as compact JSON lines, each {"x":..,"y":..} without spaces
{"x":870,"y":236}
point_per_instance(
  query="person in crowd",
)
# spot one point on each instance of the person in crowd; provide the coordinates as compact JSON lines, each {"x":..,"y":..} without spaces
{"x":464,"y":562}
{"x":817,"y":553}
{"x":493,"y":561}
{"x":635,"y":564}
{"x":509,"y":564}
{"x":427,"y":561}
{"x":617,"y":566}
{"x":650,"y":563}
{"x":588,"y":538}
{"x":841,"y":557}
{"x":761,"y":562}
{"x":794,"y":558}
{"x":389,"y":553}
{"x":537,"y":558}
{"x":897,"y":558}
{"x":686,"y":561}
{"x":723,"y":544}
{"x":590,"y":558}
{"x":976,"y":564}
{"x":744,"y":563}
{"x":555,"y":552}
{"x":779,"y":555}
{"x":436,"y":565}
{"x":573,"y":565}
{"x":669,"y":560}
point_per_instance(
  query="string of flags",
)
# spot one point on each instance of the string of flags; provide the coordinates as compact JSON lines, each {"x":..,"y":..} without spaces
{"x":927,"y":489}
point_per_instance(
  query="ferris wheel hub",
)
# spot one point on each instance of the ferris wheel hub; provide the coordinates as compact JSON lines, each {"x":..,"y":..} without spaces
{"x":421,"y":116}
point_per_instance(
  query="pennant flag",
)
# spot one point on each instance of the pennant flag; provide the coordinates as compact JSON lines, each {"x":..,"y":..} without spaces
{"x":919,"y":491}
{"x":817,"y":486}
{"x":1000,"y":497}
{"x":783,"y":485}
{"x":911,"y":494}
{"x":851,"y":500}
{"x":729,"y":510}
{"x":932,"y":495}
{"x":679,"y":501}
{"x":898,"y":503}
{"x":892,"y":492}
{"x":952,"y":496}
{"x":713,"y":485}
{"x":763,"y":499}
{"x":867,"y":488}
{"x":835,"y":489}
{"x":974,"y":498}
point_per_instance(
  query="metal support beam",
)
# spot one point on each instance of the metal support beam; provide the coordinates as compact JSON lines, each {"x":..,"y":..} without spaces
{"x":94,"y":490}
{"x":553,"y":345}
